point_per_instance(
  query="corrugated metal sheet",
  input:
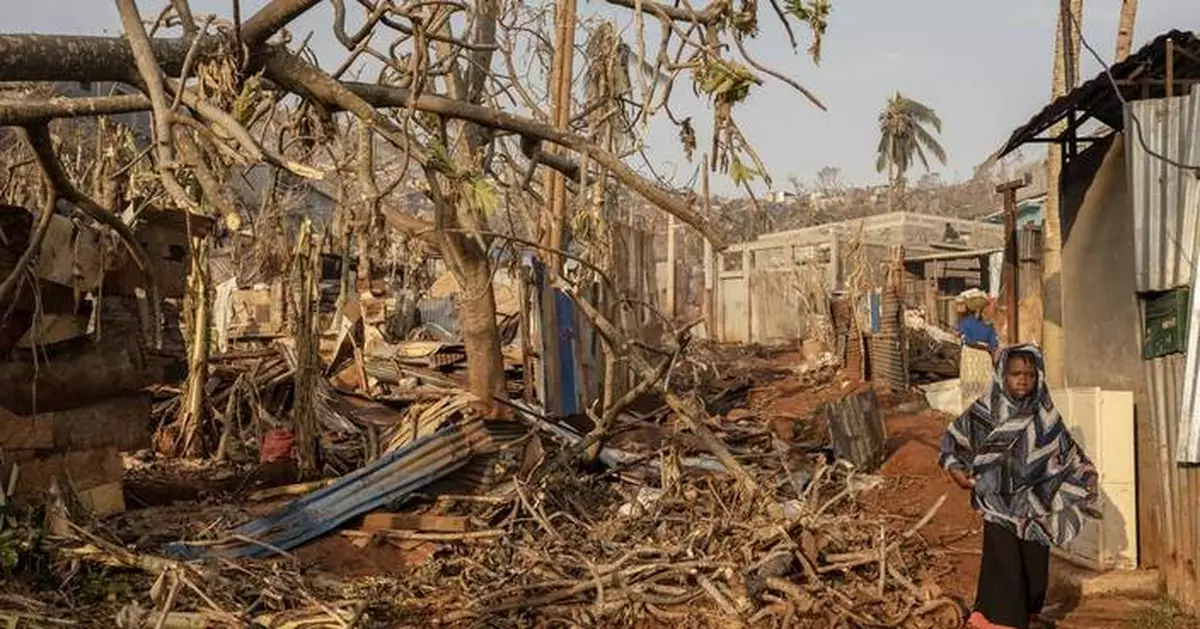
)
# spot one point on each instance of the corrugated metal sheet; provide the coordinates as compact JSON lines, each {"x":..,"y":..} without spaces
{"x":1173,"y":527}
{"x":441,"y":315}
{"x":394,"y":476}
{"x":888,"y":365}
{"x":1164,"y":225}
{"x":1188,"y":450}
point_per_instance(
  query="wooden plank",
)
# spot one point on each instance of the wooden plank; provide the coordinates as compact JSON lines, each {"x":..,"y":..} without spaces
{"x":747,"y":262}
{"x":671,"y":306}
{"x":71,"y":255}
{"x":857,"y":430}
{"x":415,"y":522}
{"x":54,"y":328}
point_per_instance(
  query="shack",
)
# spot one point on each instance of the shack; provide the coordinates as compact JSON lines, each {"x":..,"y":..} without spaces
{"x":1130,"y":212}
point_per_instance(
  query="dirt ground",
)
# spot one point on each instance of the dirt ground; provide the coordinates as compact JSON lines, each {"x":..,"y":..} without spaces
{"x":913,"y":482}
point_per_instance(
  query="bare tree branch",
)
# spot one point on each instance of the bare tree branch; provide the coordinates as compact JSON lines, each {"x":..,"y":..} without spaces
{"x":148,"y":68}
{"x":32,"y":111}
{"x":812,"y":98}
{"x":184,"y":11}
{"x":707,"y":16}
{"x":384,"y":96}
{"x":271,"y":18}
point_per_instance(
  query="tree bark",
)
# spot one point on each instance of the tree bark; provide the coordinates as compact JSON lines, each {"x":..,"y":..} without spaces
{"x":271,"y":18}
{"x":1125,"y":28}
{"x":29,"y":111}
{"x":192,"y":413}
{"x":477,"y":322}
{"x":1066,"y":72}
{"x":82,"y":58}
{"x":305,"y":266}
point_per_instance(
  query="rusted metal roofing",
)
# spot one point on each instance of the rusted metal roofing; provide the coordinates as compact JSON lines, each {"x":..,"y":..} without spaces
{"x":1143,"y":70}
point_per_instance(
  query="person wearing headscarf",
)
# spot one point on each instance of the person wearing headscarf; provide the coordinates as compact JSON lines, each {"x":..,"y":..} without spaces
{"x":1028,"y":478}
{"x":972,"y":326}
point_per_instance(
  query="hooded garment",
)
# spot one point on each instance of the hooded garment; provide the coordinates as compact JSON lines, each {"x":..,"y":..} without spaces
{"x":1030,"y":475}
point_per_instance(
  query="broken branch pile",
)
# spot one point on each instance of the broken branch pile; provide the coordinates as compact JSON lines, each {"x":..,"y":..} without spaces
{"x":585,"y":552}
{"x":250,"y":393}
{"x":569,"y":550}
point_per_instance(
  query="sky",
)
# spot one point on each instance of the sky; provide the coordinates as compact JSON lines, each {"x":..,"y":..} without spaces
{"x":983,"y":66}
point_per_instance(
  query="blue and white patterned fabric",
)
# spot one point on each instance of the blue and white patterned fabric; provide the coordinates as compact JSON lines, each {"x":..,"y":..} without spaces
{"x":1030,"y":475}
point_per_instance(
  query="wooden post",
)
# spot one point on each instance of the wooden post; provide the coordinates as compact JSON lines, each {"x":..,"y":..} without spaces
{"x":747,"y":311}
{"x":1011,"y":274}
{"x":710,"y":269}
{"x":835,"y":263}
{"x":931,"y":294}
{"x":560,"y":94}
{"x":672,"y":277}
{"x":708,"y":303}
{"x":1170,"y":69}
{"x":526,"y":339}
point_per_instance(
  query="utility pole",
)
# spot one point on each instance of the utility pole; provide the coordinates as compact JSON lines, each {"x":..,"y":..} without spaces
{"x":1012,"y":274}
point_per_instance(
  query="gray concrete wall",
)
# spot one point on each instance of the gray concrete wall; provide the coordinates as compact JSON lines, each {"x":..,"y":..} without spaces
{"x":1100,"y":309}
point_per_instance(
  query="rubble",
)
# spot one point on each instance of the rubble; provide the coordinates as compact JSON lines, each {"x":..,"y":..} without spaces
{"x":514,"y":538}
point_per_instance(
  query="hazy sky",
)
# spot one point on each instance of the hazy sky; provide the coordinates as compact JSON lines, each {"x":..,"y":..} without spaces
{"x":984,"y":66}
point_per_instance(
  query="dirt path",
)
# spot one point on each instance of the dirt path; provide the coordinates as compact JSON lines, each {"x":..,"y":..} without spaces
{"x":913,"y":482}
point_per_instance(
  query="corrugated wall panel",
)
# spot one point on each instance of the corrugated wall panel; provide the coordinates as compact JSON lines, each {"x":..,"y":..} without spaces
{"x":1164,"y":226}
{"x":1166,"y":206}
{"x":1188,"y":450}
{"x":1178,"y":535}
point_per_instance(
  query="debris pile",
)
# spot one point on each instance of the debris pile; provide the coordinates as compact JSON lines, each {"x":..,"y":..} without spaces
{"x":249,"y":394}
{"x":592,"y":553}
{"x":660,"y":535}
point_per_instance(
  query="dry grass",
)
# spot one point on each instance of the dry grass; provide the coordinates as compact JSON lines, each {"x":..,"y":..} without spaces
{"x":1164,"y":614}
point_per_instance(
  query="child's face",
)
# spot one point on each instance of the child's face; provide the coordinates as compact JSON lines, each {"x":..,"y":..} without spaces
{"x":1020,"y":376}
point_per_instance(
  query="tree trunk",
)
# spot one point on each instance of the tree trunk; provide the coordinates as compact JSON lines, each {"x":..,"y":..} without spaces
{"x":892,"y":180}
{"x":1066,"y":73}
{"x":1125,"y":28}
{"x":477,"y":322}
{"x":193,"y":410}
{"x":305,"y":266}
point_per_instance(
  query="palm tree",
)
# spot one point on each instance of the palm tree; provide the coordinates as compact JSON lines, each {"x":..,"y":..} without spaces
{"x":904,"y":135}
